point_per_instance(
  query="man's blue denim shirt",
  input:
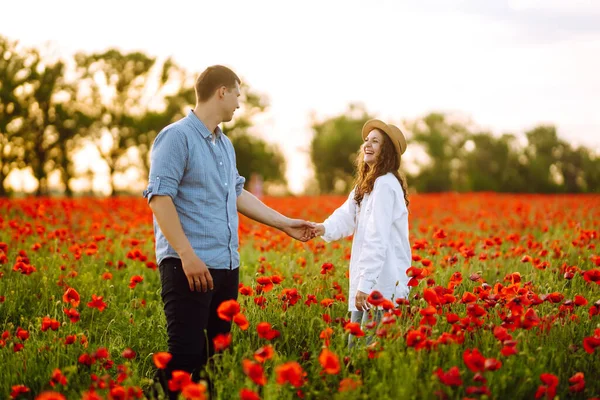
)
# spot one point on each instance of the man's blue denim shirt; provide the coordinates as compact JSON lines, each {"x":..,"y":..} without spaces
{"x":202,"y":179}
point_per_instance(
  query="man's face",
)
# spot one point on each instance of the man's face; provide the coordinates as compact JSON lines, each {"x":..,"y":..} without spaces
{"x":231,"y":102}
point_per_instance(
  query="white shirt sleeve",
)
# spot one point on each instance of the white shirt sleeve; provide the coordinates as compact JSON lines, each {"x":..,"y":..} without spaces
{"x":342,"y":222}
{"x":377,"y":236}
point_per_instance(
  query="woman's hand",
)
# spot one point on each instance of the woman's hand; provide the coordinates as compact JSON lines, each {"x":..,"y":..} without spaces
{"x":361,"y":301}
{"x":319,"y":229}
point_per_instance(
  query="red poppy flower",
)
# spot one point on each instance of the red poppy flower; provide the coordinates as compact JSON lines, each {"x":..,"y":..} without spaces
{"x":476,"y":311}
{"x":452,"y":318}
{"x":193,"y":391}
{"x":101,"y":353}
{"x":349,"y":384}
{"x":290,"y":372}
{"x":468,"y":297}
{"x":18,"y":390}
{"x":228,"y":309}
{"x":247,"y":394}
{"x":354,"y":329}
{"x":86,"y":359}
{"x":57,"y":378}
{"x":179,"y":380}
{"x":97,"y":303}
{"x":450,"y":378}
{"x":431,"y":297}
{"x":222,"y":341}
{"x":591,"y":343}
{"x":49,"y":323}
{"x":326,"y":335}
{"x":260,"y":301}
{"x":330,"y":362}
{"x":72,"y":314}
{"x":474,"y":360}
{"x":580,"y":300}
{"x":326,"y":267}
{"x":161,"y":359}
{"x":245,"y":290}
{"x":241,"y":321}
{"x":491,"y":364}
{"x":592,"y":275}
{"x":577,"y":383}
{"x":376,"y":298}
{"x":266,"y":285}
{"x":254,"y":371}
{"x":22,"y":334}
{"x":135,"y":280}
{"x":327,"y":302}
{"x":91,"y":395}
{"x":70,"y":339}
{"x":50,"y":396}
{"x":72,"y":297}
{"x":264,"y":353}
{"x":128,"y":354}
{"x":550,"y":382}
{"x":310,"y":299}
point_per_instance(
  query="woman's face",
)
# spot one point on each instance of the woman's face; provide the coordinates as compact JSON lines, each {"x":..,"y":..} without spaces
{"x":372,"y":147}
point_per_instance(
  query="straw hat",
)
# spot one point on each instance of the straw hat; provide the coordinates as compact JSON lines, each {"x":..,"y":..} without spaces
{"x":391,"y":130}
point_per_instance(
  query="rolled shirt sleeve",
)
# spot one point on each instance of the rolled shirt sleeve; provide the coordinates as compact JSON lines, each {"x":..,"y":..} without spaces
{"x":239,"y":183}
{"x":377,"y":237}
{"x":168,"y":160}
{"x":342,"y":222}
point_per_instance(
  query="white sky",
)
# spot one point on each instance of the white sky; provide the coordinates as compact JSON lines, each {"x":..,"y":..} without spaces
{"x":507,"y":65}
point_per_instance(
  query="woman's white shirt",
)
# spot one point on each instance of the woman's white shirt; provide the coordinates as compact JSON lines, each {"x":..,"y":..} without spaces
{"x":381,"y":251}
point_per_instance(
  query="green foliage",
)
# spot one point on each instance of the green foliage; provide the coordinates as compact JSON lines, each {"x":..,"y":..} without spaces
{"x":334,"y":146}
{"x":461,"y":158}
{"x":253,"y":154}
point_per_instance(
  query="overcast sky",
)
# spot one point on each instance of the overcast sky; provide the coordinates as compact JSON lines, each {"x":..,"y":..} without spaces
{"x":506,"y":65}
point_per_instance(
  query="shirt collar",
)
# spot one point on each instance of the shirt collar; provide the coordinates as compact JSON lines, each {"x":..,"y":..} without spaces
{"x":200,"y":127}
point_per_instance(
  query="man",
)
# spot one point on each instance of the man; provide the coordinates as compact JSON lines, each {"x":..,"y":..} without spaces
{"x":195,"y":193}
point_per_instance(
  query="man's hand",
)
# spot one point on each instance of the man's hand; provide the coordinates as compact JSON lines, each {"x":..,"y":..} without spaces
{"x":198,"y":275}
{"x":299,"y":229}
{"x":361,"y":301}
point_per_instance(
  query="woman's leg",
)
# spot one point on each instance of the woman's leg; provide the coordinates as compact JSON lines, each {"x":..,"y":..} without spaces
{"x":355,"y":316}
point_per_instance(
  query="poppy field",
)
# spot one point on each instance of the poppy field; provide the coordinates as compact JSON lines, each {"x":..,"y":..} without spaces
{"x":504,"y":303}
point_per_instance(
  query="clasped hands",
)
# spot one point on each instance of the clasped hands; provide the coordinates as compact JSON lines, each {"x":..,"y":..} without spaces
{"x":303,"y":230}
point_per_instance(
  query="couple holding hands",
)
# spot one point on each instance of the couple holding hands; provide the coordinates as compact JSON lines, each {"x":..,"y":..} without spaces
{"x":195,"y":194}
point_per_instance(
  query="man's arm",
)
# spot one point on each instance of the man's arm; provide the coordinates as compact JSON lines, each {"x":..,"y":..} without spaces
{"x":253,"y":208}
{"x":197,"y":273}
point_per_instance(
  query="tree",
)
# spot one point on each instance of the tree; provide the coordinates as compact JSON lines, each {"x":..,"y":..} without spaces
{"x":118,"y":83}
{"x":42,"y":138}
{"x":17,"y":71}
{"x":492,"y":164}
{"x":175,"y":100}
{"x":543,"y":151}
{"x":71,"y":122}
{"x":253,"y":154}
{"x":334,"y":147}
{"x":444,"y":142}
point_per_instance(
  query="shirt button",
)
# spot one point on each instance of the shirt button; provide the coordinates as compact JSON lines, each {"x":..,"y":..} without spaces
{"x":225,"y":183}
{"x":220,"y":163}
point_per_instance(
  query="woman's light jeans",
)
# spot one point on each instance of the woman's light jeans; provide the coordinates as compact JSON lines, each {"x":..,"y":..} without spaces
{"x":363,"y":318}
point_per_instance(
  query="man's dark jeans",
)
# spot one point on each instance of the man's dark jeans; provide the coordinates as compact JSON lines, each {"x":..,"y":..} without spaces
{"x":192,"y":320}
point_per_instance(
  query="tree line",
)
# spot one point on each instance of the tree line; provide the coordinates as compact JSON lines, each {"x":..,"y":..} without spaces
{"x":50,"y":108}
{"x":460,"y":157}
{"x":115,"y":101}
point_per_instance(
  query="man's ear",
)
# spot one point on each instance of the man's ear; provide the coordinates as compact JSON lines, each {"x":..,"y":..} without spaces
{"x":222,"y":91}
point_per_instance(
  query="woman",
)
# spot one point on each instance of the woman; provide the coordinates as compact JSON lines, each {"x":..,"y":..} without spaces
{"x":376,"y":213}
